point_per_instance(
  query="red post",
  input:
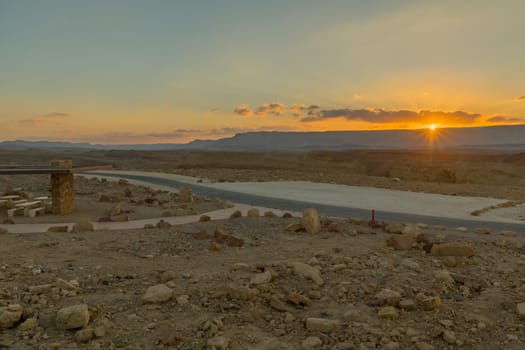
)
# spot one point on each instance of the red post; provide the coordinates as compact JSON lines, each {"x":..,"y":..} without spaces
{"x":373,"y":218}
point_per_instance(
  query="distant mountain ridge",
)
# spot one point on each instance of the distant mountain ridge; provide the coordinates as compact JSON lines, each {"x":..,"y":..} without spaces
{"x":508,"y":137}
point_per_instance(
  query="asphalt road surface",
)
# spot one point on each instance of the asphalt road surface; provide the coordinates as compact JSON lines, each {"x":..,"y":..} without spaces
{"x":330,"y":210}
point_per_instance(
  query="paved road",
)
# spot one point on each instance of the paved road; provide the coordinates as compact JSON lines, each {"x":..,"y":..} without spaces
{"x":337,"y":211}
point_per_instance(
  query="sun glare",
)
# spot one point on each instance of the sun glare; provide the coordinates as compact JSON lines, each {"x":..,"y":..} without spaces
{"x":432,"y":127}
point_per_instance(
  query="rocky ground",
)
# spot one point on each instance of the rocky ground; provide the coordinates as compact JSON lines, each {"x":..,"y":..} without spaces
{"x":101,"y":200}
{"x":264,"y":283}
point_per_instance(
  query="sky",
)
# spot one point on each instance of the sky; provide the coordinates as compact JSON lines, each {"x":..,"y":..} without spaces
{"x":157,"y":71}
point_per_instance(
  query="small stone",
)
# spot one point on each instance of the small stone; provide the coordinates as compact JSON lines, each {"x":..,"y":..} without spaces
{"x":201,"y":235}
{"x":520,"y":309}
{"x":482,"y":231}
{"x":388,"y":312}
{"x":163,"y":224}
{"x":407,"y":304}
{"x":240,"y":266}
{"x":99,"y":331}
{"x":453,"y":249}
{"x":84,"y":335}
{"x":431,"y":303}
{"x":83,"y":226}
{"x":308,"y":271}
{"x":424,"y":346}
{"x":401,"y":242}
{"x":462,"y":229}
{"x":183,"y":300}
{"x":294,"y":227}
{"x":181,"y":212}
{"x":204,"y":218}
{"x":394,"y":228}
{"x":322,"y":325}
{"x":236,"y":214}
{"x":233,"y":241}
{"x":157,"y":294}
{"x":392,"y":346}
{"x":167,"y":276}
{"x":261,"y":278}
{"x":387,"y":297}
{"x":218,"y":343}
{"x":287,"y":216}
{"x":449,"y":337}
{"x":28,"y":324}
{"x":214,"y":247}
{"x":312,"y":343}
{"x":71,"y":317}
{"x":310,"y":221}
{"x":253,"y":213}
{"x":450,"y":261}
{"x":56,"y":229}
{"x":299,"y":299}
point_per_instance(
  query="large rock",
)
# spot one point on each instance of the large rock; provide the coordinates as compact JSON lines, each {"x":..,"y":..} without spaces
{"x":185,"y":195}
{"x":453,"y":249}
{"x":71,"y":317}
{"x":310,"y":221}
{"x":394,"y":228}
{"x":10,"y":315}
{"x":307,"y":271}
{"x":157,"y":294}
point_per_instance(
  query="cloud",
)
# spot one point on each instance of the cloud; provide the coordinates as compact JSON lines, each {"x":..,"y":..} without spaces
{"x":275,"y":108}
{"x":297,"y":109}
{"x":243,"y":110}
{"x":387,"y":116}
{"x":502,"y":119}
{"x":519,"y":99}
{"x":175,"y":133}
{"x":55,"y":117}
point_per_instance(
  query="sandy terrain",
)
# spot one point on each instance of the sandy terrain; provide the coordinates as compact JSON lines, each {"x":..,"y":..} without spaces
{"x":259,"y":283}
{"x":252,"y":297}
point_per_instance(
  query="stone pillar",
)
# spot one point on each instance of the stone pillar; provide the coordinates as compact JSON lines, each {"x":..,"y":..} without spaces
{"x":62,"y":189}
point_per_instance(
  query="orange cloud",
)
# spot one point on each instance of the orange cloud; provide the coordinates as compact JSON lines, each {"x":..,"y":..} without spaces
{"x":243,"y":110}
{"x":55,"y":117}
{"x":275,"y":108}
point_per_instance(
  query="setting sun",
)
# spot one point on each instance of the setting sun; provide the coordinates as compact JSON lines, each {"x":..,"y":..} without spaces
{"x":432,"y":127}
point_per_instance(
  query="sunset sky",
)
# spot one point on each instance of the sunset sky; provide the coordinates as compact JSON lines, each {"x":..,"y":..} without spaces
{"x":154,"y":71}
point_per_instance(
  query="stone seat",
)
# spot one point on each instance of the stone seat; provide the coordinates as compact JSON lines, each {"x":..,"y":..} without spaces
{"x":13,"y":211}
{"x":33,"y":212}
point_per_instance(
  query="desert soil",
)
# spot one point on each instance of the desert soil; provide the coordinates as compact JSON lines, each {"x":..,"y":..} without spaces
{"x":279,"y":290}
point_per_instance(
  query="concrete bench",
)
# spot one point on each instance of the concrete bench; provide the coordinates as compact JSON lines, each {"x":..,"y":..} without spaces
{"x":33,"y":212}
{"x":12,"y":212}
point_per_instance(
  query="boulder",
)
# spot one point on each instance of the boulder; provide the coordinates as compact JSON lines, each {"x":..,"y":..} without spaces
{"x":10,"y":315}
{"x":157,"y":294}
{"x":236,"y":214}
{"x":71,"y":317}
